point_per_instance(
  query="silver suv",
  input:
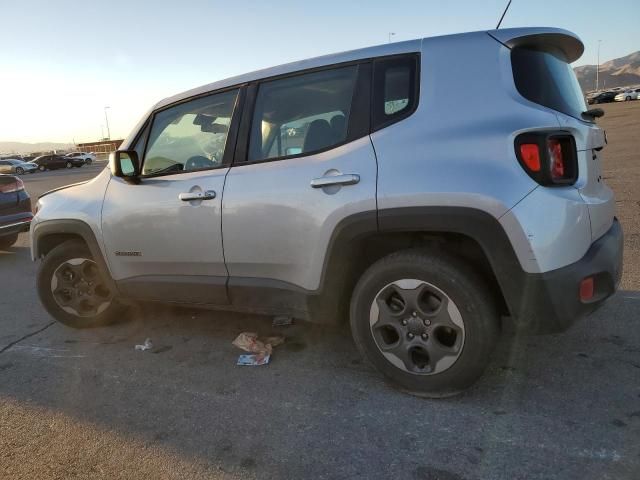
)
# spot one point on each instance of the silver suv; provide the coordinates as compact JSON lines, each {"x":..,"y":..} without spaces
{"x":355,"y":185}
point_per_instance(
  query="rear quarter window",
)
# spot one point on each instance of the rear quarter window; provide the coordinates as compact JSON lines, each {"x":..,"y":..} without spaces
{"x":545,"y":78}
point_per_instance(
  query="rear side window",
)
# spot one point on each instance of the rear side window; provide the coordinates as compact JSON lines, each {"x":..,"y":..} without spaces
{"x":545,"y":78}
{"x":302,"y":114}
{"x":395,"y":89}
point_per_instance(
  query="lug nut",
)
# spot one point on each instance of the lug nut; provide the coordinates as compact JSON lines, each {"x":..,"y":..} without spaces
{"x":427,"y":322}
{"x":415,"y":314}
{"x":404,"y":322}
{"x":411,"y":335}
{"x":424,"y":336}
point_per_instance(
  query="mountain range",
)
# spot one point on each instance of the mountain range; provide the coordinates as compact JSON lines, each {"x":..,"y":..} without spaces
{"x":621,"y":72}
{"x":22,"y":147}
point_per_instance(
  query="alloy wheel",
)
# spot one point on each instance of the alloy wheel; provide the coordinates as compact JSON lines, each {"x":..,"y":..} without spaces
{"x":417,"y":327}
{"x":78,"y":288}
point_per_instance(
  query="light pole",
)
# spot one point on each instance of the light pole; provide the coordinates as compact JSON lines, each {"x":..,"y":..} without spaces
{"x":391,"y":34}
{"x":106,"y":118}
{"x":102,"y":132}
{"x":598,"y":67}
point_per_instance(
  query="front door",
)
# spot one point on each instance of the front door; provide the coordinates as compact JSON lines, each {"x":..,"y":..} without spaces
{"x":163,"y":236}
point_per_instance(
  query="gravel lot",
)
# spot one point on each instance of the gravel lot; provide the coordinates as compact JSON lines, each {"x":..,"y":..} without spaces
{"x":84,"y":404}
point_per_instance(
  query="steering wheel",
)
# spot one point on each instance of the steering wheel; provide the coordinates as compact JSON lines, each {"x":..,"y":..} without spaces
{"x":198,"y":161}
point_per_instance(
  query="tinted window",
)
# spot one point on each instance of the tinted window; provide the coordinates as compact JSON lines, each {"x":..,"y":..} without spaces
{"x":190,"y":136}
{"x":302,"y":114}
{"x":547,"y":79}
{"x":395,"y":89}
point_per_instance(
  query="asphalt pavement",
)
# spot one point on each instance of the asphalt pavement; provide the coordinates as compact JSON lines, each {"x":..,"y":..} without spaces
{"x":86,"y":404}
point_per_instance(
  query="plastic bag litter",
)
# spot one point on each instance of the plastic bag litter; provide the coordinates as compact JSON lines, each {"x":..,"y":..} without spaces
{"x":147,"y":345}
{"x":261,"y":347}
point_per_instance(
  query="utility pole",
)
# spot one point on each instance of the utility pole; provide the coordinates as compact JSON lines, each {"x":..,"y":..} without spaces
{"x":391,"y":34}
{"x":106,"y":118}
{"x":598,"y":68}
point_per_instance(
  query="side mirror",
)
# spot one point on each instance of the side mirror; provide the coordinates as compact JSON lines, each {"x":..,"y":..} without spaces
{"x":125,"y":164}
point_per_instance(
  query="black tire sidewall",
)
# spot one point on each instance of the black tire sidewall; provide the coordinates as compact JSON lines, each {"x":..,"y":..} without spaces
{"x":57,"y":256}
{"x":463,"y":287}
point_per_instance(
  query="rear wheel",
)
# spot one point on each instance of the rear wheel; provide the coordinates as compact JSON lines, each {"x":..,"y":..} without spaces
{"x":42,"y":168}
{"x":74,"y":290}
{"x":87,"y":161}
{"x":8,"y":241}
{"x":19,"y":171}
{"x":69,"y":164}
{"x":426,"y":321}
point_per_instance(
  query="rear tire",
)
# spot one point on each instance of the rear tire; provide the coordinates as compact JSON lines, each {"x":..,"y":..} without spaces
{"x":628,"y":99}
{"x":434,"y":312}
{"x":74,"y":290}
{"x":42,"y":168}
{"x":8,"y":241}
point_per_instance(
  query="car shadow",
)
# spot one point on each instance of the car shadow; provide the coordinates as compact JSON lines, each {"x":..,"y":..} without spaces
{"x":537,"y":398}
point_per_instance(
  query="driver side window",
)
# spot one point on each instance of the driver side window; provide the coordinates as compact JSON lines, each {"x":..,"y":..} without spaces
{"x":190,"y":136}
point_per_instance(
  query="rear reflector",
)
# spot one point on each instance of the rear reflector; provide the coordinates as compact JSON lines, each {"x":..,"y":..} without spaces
{"x":587,"y":288}
{"x":12,"y":187}
{"x":530,"y":156}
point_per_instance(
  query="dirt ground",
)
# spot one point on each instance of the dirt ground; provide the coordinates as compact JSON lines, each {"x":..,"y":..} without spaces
{"x":622,"y":173}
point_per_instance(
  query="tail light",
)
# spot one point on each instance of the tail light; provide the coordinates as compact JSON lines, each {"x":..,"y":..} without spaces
{"x":550,"y":158}
{"x":12,"y":187}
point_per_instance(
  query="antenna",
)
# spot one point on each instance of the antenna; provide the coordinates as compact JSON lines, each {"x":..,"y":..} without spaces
{"x":503,"y":14}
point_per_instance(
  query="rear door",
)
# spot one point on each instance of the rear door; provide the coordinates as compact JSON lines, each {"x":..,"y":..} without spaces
{"x":163,"y":236}
{"x":306,"y":165}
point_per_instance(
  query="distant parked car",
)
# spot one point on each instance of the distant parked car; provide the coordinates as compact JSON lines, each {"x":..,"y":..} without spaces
{"x":51,"y":162}
{"x":604,"y":97}
{"x":15,"y":210}
{"x":87,"y":157}
{"x":19,"y":167}
{"x":627,"y":95}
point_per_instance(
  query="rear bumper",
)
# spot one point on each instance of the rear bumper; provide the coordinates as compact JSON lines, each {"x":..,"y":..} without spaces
{"x":551,"y":301}
{"x":16,"y":225}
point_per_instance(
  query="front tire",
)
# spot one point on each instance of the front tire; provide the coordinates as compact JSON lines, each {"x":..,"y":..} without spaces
{"x":42,"y":168}
{"x":19,"y":171}
{"x":74,"y":290}
{"x":69,"y":165}
{"x":426,"y":321}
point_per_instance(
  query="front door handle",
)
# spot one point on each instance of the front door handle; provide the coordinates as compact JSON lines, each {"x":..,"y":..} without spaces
{"x":346,"y":179}
{"x":191,"y":196}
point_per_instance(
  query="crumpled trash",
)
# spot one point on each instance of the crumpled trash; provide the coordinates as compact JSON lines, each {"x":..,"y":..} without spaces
{"x":147,"y":345}
{"x":253,"y":360}
{"x":282,"y":321}
{"x":260,"y":347}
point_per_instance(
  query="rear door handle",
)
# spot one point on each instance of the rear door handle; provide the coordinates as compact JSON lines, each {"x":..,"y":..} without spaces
{"x":346,"y":179}
{"x":191,"y":196}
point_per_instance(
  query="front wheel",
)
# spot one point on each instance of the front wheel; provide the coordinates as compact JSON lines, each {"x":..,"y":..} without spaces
{"x":19,"y":171}
{"x":42,"y":168}
{"x":426,"y":321}
{"x":74,"y":290}
{"x":69,"y":164}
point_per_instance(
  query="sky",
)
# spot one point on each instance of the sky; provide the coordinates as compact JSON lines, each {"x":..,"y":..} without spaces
{"x":63,"y":61}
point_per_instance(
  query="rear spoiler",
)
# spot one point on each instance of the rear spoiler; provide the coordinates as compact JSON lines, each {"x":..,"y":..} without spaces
{"x":541,"y":39}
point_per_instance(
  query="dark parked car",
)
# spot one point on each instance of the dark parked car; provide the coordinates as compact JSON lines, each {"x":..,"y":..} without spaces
{"x":15,"y":210}
{"x":51,"y":162}
{"x":604,"y":97}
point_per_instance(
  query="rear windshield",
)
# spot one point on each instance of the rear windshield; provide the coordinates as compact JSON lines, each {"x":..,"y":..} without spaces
{"x":547,"y":79}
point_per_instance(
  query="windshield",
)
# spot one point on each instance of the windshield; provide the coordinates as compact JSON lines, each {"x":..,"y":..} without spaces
{"x":547,"y":79}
